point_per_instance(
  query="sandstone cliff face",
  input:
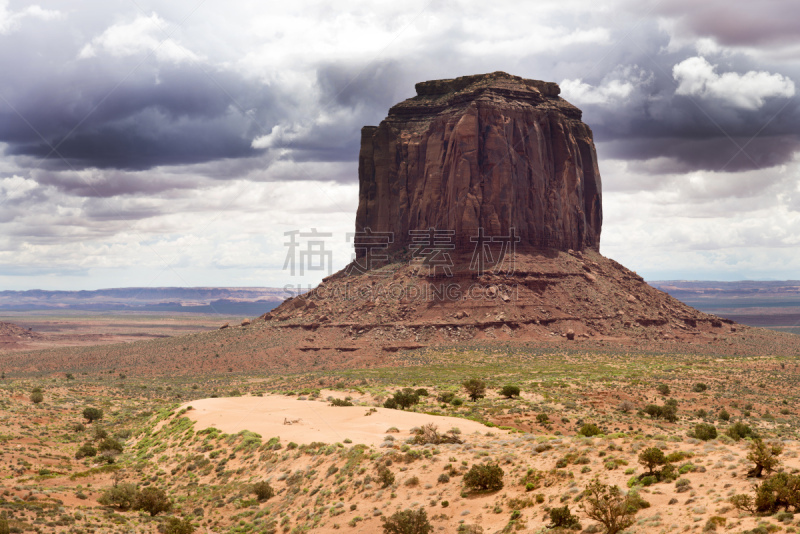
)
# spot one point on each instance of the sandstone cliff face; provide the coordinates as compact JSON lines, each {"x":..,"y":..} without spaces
{"x":490,"y":151}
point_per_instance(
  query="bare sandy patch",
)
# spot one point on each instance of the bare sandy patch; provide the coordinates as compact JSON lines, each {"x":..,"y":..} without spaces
{"x":306,"y":421}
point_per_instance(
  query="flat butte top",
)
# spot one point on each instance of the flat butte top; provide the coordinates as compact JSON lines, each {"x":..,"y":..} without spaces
{"x":435,"y":96}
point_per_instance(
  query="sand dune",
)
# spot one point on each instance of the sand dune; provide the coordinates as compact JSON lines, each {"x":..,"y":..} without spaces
{"x":315,"y":420}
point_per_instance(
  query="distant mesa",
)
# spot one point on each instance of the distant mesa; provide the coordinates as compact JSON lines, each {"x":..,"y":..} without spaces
{"x":493,"y":151}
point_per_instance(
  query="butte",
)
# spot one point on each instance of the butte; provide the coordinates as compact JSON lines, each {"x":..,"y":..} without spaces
{"x":479,"y":221}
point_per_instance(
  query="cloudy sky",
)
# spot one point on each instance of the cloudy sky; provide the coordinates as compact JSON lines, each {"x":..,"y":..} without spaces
{"x":173,"y":143}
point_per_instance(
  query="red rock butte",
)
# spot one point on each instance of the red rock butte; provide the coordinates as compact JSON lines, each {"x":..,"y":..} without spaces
{"x":491,"y":151}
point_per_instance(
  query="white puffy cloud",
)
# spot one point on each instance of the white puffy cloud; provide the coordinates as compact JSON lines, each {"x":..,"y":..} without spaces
{"x":15,"y":187}
{"x":697,"y":77}
{"x":143,"y":35}
{"x":11,"y":20}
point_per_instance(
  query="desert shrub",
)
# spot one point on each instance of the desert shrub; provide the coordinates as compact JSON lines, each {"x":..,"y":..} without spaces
{"x":153,"y":501}
{"x":701,"y":413}
{"x":724,"y":415}
{"x":668,"y":411}
{"x":663,"y":389}
{"x":704,"y":431}
{"x":626,"y":406}
{"x":781,"y":490}
{"x":385,"y":476}
{"x":407,"y":522}
{"x":92,"y":414}
{"x":446,"y":397}
{"x":263,"y":491}
{"x":699,"y":387}
{"x":510,"y":391}
{"x":765,"y":456}
{"x":87,"y":449}
{"x":739,"y":430}
{"x":743,"y":502}
{"x":651,"y":458}
{"x":589,"y":430}
{"x":563,"y":518}
{"x":609,"y":507}
{"x":444,"y":478}
{"x":178,"y":526}
{"x":110,"y":445}
{"x":122,"y":496}
{"x":37,"y":396}
{"x":714,"y":522}
{"x":99,"y":433}
{"x":4,"y":529}
{"x":475,"y":388}
{"x":421,"y":392}
{"x":402,"y":399}
{"x":412,"y":482}
{"x":429,"y":433}
{"x":456,"y":402}
{"x":486,"y":477}
{"x":542,"y":418}
{"x":341,"y":402}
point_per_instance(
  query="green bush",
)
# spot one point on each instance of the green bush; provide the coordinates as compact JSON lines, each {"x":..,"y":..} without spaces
{"x":123,"y":496}
{"x":37,"y":396}
{"x":92,"y":414}
{"x":669,"y":411}
{"x":542,"y":418}
{"x":341,"y":402}
{"x":178,"y":526}
{"x":705,"y":431}
{"x":510,"y":391}
{"x":153,"y":501}
{"x":781,"y":490}
{"x":446,"y":397}
{"x":110,"y":445}
{"x":475,"y":388}
{"x":589,"y":430}
{"x":651,"y":458}
{"x":663,"y":389}
{"x":87,"y":449}
{"x":485,"y":477}
{"x":699,"y":387}
{"x":739,"y":430}
{"x":407,"y":522}
{"x":608,"y":506}
{"x":402,"y":399}
{"x":563,"y":518}
{"x":765,"y":456}
{"x":724,"y":415}
{"x":4,"y":529}
{"x":263,"y":491}
{"x":385,"y":476}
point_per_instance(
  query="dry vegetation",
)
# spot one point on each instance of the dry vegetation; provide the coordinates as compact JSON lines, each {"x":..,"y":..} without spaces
{"x":518,"y":477}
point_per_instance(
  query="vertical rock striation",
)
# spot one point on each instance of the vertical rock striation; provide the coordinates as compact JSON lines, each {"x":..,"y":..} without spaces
{"x":490,"y":151}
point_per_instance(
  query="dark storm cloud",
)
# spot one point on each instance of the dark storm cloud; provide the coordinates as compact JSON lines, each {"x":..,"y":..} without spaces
{"x":695,"y":131}
{"x":766,"y":22}
{"x":169,"y":116}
